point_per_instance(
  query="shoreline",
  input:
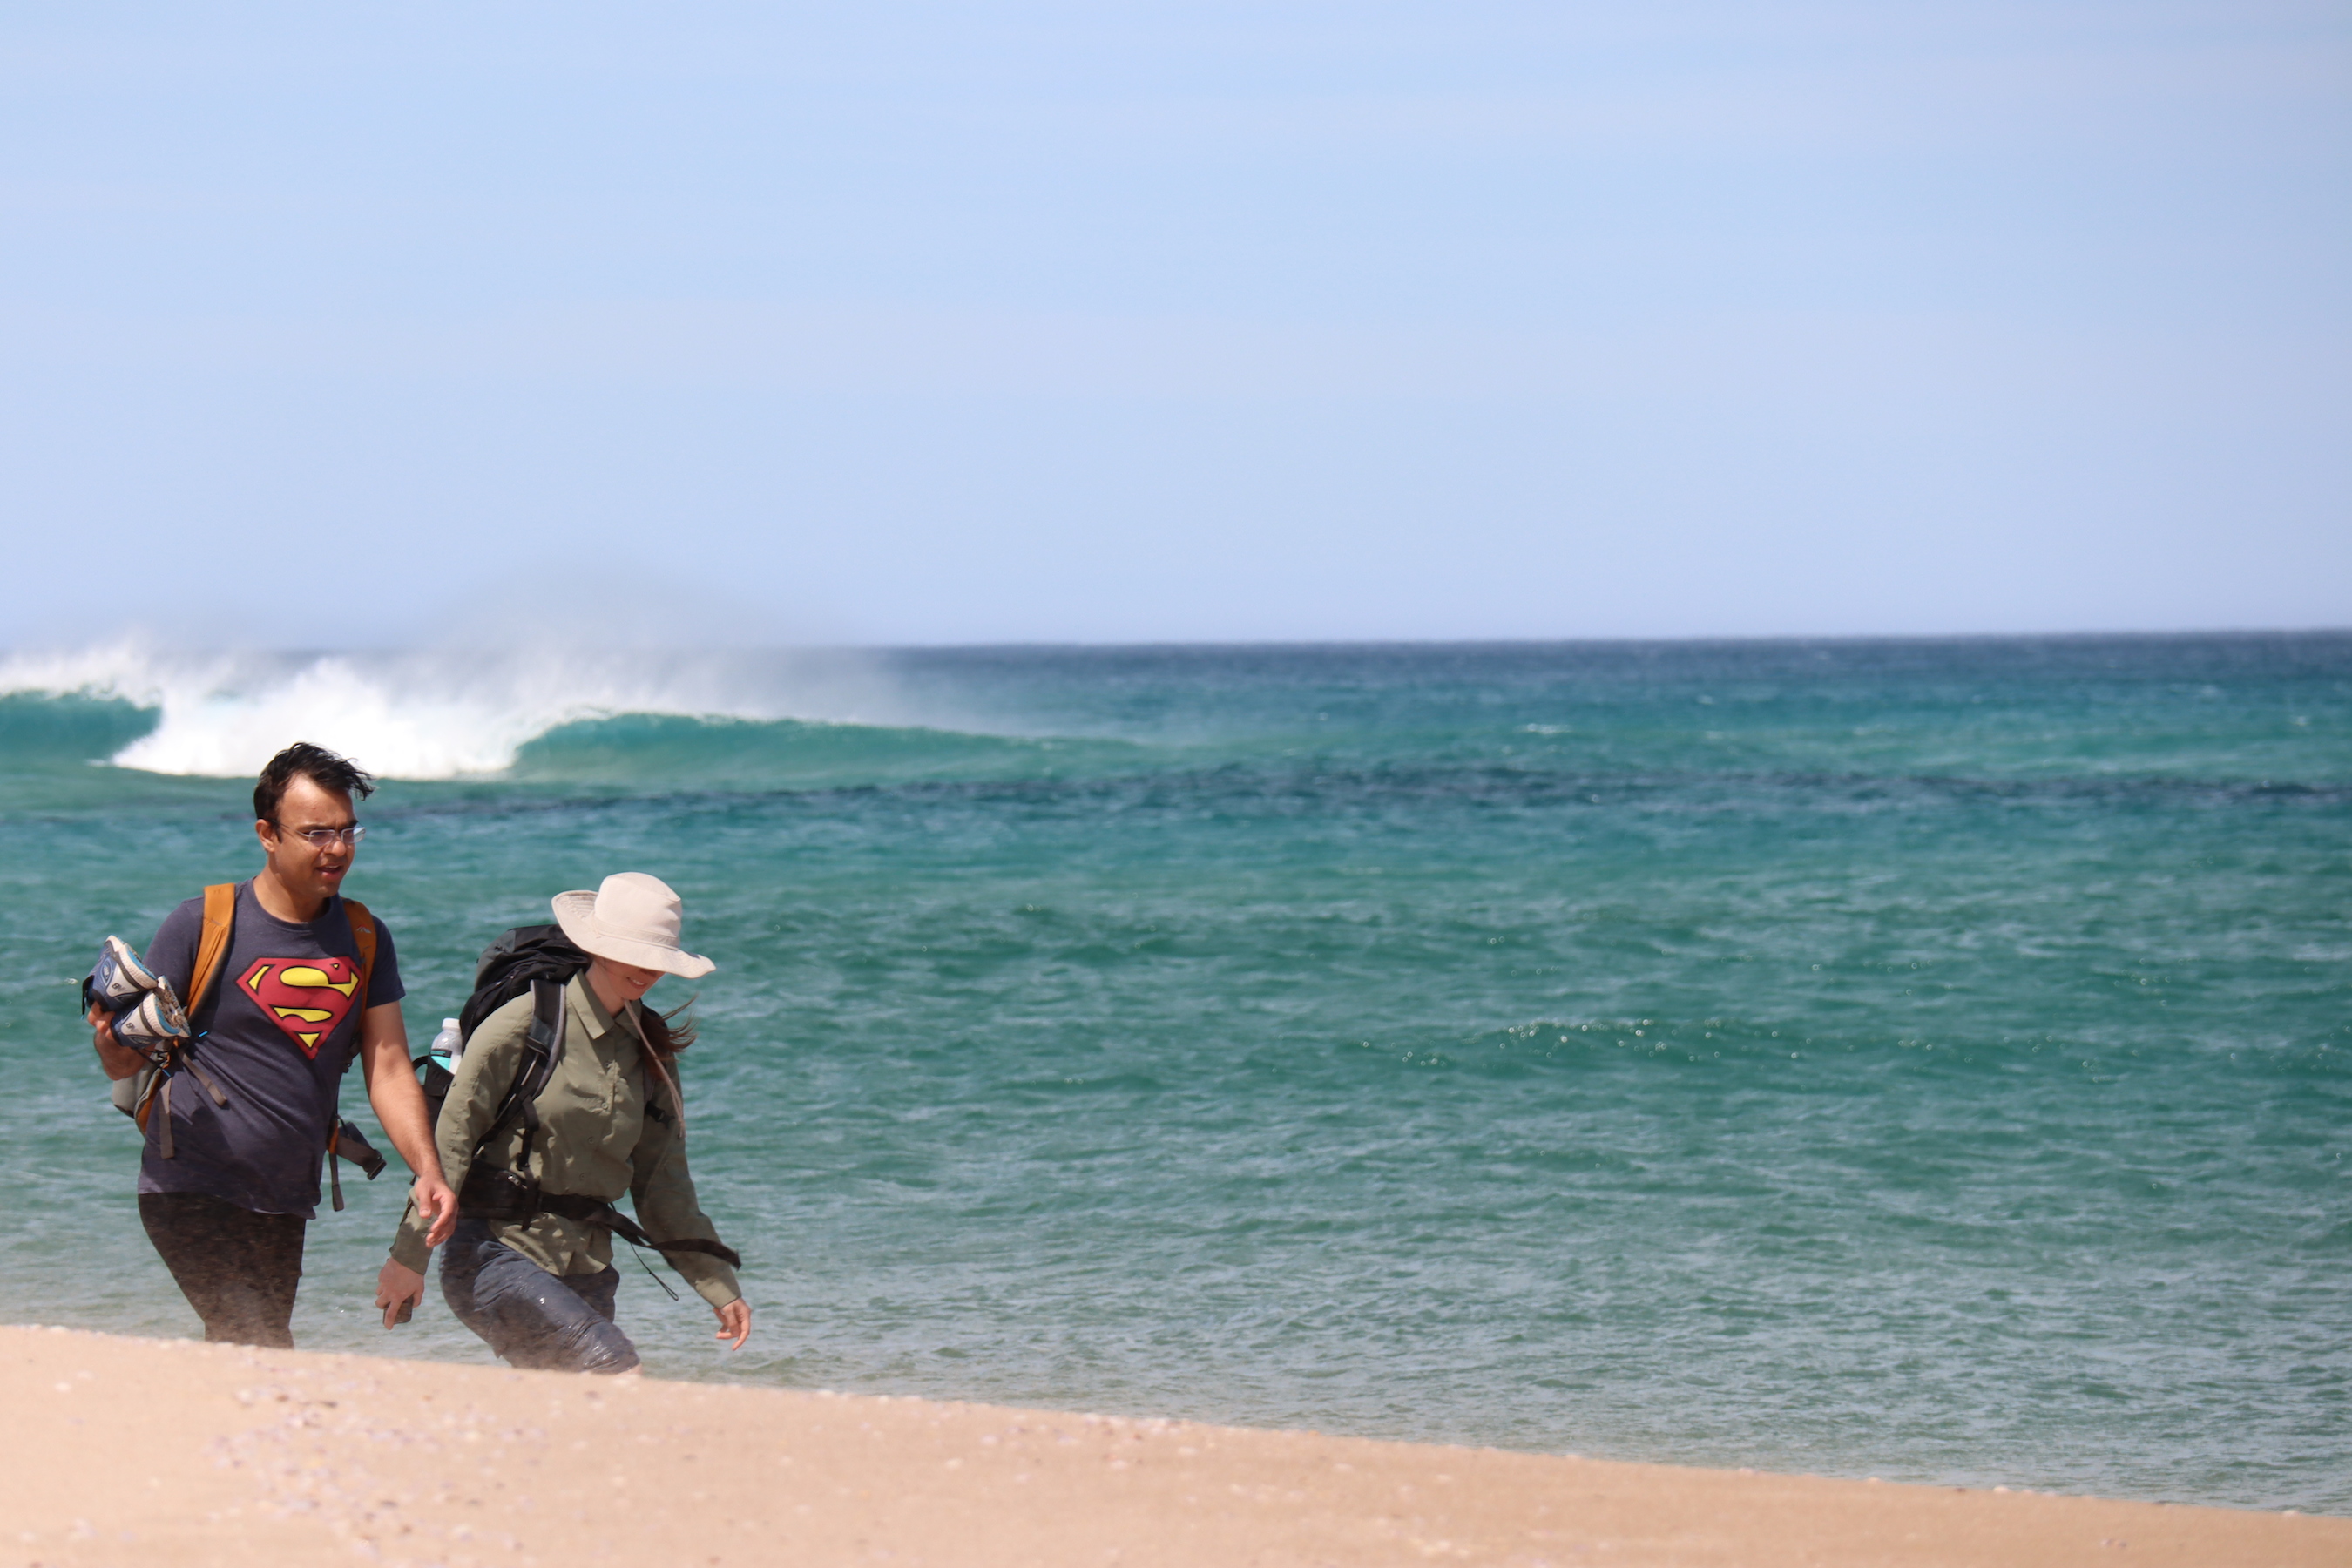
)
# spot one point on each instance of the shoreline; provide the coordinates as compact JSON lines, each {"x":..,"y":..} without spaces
{"x":124,"y":1450}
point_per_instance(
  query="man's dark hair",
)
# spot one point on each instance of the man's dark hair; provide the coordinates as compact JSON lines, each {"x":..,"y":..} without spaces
{"x":319,"y":765}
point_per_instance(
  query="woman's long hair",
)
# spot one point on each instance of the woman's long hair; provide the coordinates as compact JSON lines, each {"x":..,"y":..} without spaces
{"x":671,"y":1032}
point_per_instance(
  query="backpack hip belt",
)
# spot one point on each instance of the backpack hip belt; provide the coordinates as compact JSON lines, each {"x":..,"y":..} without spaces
{"x":511,"y":1197}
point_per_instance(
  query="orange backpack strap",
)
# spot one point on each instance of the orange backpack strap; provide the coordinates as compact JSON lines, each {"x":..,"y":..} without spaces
{"x":363,"y":933}
{"x":212,"y":948}
{"x":211,"y":942}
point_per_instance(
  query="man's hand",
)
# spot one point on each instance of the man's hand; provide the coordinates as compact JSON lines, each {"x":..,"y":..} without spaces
{"x":437,"y":1204}
{"x":119,"y":1059}
{"x":734,"y":1322}
{"x":398,"y":1289}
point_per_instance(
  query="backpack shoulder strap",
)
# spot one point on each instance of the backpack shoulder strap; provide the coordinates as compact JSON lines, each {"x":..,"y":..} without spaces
{"x":363,"y":936}
{"x":212,"y":951}
{"x":363,"y":933}
{"x":211,"y":942}
{"x":543,"y":1047}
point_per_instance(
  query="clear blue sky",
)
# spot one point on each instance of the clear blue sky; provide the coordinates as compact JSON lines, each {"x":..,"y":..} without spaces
{"x":904,"y":323}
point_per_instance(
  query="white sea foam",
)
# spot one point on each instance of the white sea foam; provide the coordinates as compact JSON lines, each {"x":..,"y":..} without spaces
{"x":432,"y":714}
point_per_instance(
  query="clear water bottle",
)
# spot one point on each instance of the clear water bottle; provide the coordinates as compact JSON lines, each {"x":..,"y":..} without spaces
{"x":447,"y":1046}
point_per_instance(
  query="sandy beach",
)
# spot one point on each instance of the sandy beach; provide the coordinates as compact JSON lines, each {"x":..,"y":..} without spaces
{"x":139,"y":1451}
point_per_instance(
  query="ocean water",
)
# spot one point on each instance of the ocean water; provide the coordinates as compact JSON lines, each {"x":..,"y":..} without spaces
{"x":1921,"y":1059}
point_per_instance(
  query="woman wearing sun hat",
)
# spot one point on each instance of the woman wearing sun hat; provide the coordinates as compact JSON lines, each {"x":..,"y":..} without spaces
{"x":538,"y":1288}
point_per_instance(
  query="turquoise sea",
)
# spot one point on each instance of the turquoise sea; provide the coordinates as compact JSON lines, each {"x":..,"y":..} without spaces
{"x":1921,"y":1059}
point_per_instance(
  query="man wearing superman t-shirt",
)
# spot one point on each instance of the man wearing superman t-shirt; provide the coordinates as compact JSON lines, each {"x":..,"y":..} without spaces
{"x":283,"y":1019}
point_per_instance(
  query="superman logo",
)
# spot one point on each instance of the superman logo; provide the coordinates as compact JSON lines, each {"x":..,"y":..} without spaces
{"x":307,"y":997}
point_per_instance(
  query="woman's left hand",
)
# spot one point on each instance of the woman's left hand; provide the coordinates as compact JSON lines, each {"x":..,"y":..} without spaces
{"x":734,"y":1322}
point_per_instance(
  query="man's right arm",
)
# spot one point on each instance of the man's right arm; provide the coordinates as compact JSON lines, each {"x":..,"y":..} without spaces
{"x":173,"y":955}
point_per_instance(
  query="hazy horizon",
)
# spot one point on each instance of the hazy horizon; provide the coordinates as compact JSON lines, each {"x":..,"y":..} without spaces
{"x":1204,"y":324}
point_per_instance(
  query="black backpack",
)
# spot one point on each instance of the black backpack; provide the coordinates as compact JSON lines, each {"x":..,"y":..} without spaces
{"x":508,"y":968}
{"x":509,"y":964}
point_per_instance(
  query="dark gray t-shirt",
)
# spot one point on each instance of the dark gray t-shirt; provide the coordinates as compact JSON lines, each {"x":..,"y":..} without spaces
{"x":281,"y":1024}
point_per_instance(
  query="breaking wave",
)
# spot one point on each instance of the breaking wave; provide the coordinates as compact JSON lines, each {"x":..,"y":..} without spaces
{"x":413,"y":715}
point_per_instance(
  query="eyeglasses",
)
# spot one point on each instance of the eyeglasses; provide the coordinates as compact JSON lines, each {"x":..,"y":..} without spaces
{"x":323,"y":838}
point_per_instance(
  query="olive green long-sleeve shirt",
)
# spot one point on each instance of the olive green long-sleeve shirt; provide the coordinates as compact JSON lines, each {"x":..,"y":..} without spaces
{"x":600,"y":1135}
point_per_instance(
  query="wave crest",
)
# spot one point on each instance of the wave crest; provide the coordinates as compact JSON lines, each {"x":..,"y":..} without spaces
{"x":430,"y":715}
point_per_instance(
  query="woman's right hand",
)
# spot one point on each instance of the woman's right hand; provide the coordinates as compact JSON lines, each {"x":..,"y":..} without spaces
{"x":398,"y":1289}
{"x":734,"y":1322}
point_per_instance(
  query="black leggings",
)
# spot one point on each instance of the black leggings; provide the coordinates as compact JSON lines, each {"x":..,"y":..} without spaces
{"x":238,"y":1269}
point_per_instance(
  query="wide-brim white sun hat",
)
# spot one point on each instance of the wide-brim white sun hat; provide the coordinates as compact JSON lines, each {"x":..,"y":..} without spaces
{"x":631,"y":919}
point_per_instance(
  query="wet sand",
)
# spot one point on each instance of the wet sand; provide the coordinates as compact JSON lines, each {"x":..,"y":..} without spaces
{"x":145,"y":1451}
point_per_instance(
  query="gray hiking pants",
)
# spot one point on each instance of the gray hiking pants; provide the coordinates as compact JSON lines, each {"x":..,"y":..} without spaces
{"x":531,"y":1317}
